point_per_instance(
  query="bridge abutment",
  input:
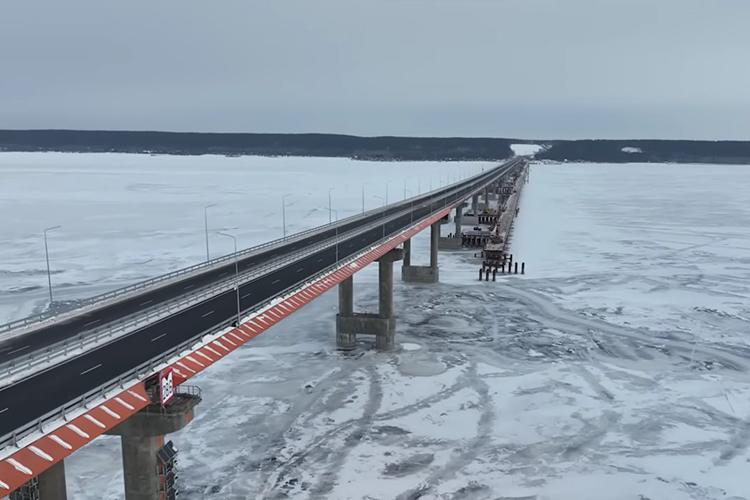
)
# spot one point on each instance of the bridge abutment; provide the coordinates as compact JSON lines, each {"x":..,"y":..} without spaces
{"x":424,"y":274}
{"x":383,"y":325}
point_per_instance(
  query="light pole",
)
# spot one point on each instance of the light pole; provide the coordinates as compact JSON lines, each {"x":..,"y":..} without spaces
{"x":337,"y":231}
{"x":363,"y":196}
{"x":405,"y":189}
{"x":386,"y":190}
{"x":383,"y":200}
{"x":411,"y":204}
{"x":283,"y":211}
{"x":329,"y":204}
{"x":46,"y":254}
{"x":205,"y":221}
{"x":236,"y":273}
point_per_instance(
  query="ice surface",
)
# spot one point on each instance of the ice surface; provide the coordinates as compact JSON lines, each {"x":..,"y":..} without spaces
{"x":631,"y":150}
{"x":616,"y":368}
{"x":526,"y":149}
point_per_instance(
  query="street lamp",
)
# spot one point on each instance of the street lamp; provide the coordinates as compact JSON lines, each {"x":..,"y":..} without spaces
{"x":383,"y":200}
{"x":329,"y":204}
{"x":205,"y":220}
{"x":283,"y":212}
{"x":236,"y":273}
{"x":411,"y":204}
{"x":386,"y":190}
{"x":46,"y":253}
{"x":363,"y":196}
{"x":337,"y":231}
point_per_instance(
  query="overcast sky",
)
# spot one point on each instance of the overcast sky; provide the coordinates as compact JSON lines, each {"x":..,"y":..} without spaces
{"x":501,"y":68}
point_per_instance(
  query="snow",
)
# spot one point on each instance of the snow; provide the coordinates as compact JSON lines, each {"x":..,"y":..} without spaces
{"x":616,"y":368}
{"x":631,"y":150}
{"x":526,"y":149}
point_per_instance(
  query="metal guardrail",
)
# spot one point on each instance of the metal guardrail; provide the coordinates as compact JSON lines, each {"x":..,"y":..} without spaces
{"x":146,"y":369}
{"x":40,"y":317}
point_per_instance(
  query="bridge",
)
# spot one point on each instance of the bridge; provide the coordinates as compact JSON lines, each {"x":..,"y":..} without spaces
{"x":118,"y":363}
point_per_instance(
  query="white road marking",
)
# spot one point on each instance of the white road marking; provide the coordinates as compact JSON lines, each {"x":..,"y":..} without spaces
{"x":19,"y":349}
{"x":160,"y":336}
{"x":91,"y":322}
{"x":208,"y":314}
{"x":300,"y":269}
{"x":320,"y":260}
{"x":246,"y":295}
{"x":147,"y":302}
{"x":189,"y":286}
{"x":91,"y":369}
{"x":3,"y":411}
{"x":275,"y":282}
{"x":222,"y":274}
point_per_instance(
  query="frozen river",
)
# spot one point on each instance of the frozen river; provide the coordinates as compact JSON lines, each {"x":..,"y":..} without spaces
{"x":618,"y":367}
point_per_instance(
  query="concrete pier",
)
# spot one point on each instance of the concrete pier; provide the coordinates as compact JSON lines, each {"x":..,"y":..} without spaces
{"x":425,"y":274}
{"x":142,"y":436}
{"x":383,"y":325}
{"x":49,"y":485}
{"x":453,"y":243}
{"x":52,"y":483}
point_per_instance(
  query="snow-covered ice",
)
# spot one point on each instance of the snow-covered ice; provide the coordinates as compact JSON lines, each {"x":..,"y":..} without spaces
{"x":616,"y":368}
{"x":526,"y":149}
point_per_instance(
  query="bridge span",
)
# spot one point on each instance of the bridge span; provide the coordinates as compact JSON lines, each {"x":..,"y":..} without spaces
{"x":103,"y":368}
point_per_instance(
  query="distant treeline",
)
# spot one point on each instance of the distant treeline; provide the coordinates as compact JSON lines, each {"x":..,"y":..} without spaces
{"x":329,"y":145}
{"x":653,"y":151}
{"x":372,"y":148}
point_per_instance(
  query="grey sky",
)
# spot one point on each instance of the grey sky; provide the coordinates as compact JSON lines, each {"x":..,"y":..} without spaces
{"x":521,"y":68}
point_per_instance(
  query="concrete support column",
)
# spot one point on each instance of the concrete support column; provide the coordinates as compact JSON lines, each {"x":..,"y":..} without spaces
{"x":142,"y":435}
{"x":434,"y":237}
{"x":385,"y":271}
{"x":51,"y":483}
{"x":407,"y":252}
{"x":459,"y":213}
{"x":140,"y":466}
{"x":346,"y":296}
{"x":386,"y":340}
{"x":346,"y":341}
{"x":474,"y":204}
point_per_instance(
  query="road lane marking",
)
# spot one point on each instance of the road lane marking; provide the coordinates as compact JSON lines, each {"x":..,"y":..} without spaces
{"x":189,"y":286}
{"x":208,"y":314}
{"x":275,"y":282}
{"x":160,"y":336}
{"x":320,"y":260}
{"x":91,"y":369}
{"x":19,"y":349}
{"x":91,"y":322}
{"x":246,"y":295}
{"x":3,"y":411}
{"x":147,"y":302}
{"x":300,"y":269}
{"x":222,"y":274}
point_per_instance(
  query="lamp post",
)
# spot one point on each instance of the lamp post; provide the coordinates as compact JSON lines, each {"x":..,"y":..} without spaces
{"x":411,"y":204}
{"x":363,"y":196}
{"x":283,"y":211}
{"x":386,"y":190}
{"x":329,"y":204}
{"x":236,"y":273}
{"x":336,"y":213}
{"x":205,"y":221}
{"x":383,"y":200}
{"x":46,"y":254}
